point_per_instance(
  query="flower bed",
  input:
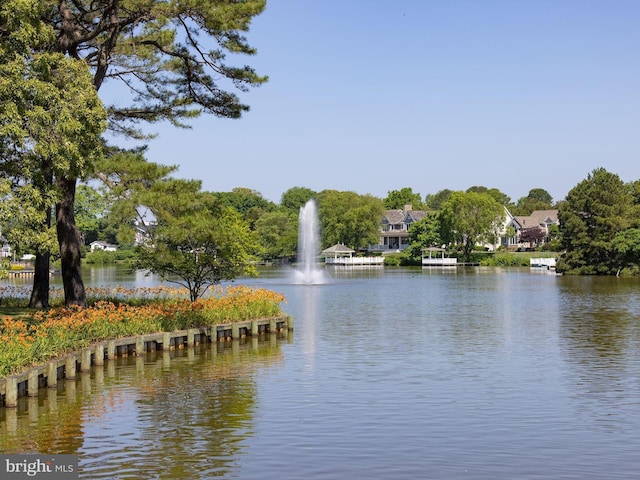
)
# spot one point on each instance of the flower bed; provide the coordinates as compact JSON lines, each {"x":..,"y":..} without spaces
{"x":120,"y":313}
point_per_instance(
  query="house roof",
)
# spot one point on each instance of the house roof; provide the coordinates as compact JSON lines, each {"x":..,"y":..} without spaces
{"x":399,"y":216}
{"x":538,"y":218}
{"x":338,"y":249}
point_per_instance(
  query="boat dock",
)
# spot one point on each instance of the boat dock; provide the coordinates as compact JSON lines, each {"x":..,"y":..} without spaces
{"x":548,"y":263}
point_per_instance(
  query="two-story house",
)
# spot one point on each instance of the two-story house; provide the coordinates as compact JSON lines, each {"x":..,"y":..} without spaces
{"x":394,"y":233}
{"x":542,"y":219}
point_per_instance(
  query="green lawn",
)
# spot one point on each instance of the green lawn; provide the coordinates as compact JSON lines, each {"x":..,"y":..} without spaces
{"x":14,"y":312}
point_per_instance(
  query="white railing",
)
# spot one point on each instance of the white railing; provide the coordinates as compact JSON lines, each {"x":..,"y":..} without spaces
{"x":439,"y":262}
{"x":354,"y":261}
{"x":542,"y":262}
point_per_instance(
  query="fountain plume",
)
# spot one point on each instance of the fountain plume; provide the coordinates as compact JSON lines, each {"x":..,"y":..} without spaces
{"x":308,"y":271}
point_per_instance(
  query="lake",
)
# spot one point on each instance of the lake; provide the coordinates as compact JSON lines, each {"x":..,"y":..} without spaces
{"x":394,"y":373}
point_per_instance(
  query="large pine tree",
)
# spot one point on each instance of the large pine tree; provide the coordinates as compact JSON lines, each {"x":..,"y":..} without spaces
{"x":169,"y":54}
{"x":594,"y":212}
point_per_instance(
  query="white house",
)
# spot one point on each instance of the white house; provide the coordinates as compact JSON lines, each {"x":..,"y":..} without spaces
{"x":99,"y":245}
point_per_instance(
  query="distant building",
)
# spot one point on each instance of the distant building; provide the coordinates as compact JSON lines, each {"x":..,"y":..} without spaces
{"x":542,"y":219}
{"x":5,"y":248}
{"x":394,"y":231}
{"x":104,"y":246}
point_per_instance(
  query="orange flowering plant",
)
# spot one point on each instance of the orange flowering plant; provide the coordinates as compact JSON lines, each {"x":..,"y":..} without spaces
{"x":115,"y":313}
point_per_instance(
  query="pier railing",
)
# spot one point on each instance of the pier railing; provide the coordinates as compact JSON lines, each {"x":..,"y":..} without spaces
{"x":354,"y":261}
{"x":548,"y":263}
{"x":439,"y":262}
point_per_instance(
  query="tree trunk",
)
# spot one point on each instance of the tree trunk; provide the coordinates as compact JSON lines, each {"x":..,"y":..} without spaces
{"x":40,"y":291}
{"x":69,"y":242}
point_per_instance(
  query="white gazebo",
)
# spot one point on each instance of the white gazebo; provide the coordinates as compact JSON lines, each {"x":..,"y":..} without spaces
{"x":434,"y":257}
{"x":340,"y":254}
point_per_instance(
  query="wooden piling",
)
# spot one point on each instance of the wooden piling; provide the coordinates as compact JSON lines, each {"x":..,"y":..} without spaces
{"x":235,"y":331}
{"x":70,"y":368}
{"x":11,"y":396}
{"x":85,"y":363}
{"x":140,"y":345}
{"x":99,"y":355}
{"x":166,"y":341}
{"x":52,"y":374}
{"x":111,"y":350}
{"x":32,"y":383}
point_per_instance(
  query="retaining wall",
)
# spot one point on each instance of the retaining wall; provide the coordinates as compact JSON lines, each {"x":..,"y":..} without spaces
{"x":28,"y":382}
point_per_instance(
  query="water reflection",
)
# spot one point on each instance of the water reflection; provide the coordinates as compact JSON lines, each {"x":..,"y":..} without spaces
{"x":401,"y":373}
{"x":600,"y":340}
{"x":164,"y":415}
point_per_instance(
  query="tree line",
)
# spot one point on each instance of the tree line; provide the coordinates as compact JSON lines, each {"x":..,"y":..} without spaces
{"x":61,"y":181}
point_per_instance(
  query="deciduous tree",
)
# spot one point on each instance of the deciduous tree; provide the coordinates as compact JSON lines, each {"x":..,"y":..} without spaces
{"x":397,"y":199}
{"x":296,"y":197}
{"x":349,"y":218}
{"x":468,"y":218}
{"x":423,"y":234}
{"x":51,"y":123}
{"x":537,"y":199}
{"x":434,"y":201}
{"x":197,"y":242}
{"x":278,"y":234}
{"x":532,"y":235}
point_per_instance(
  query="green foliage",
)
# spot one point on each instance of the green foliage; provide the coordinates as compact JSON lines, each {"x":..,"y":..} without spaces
{"x":197,"y":242}
{"x":541,"y":195}
{"x":436,"y":200}
{"x":349,"y":218}
{"x":423,"y":234}
{"x":394,"y":260}
{"x":89,"y":209}
{"x":51,"y":121}
{"x":596,"y":211}
{"x":170,"y":55}
{"x":102,"y":257}
{"x":496,"y":194}
{"x":278,"y":234}
{"x":505,"y":260}
{"x":251,"y":205}
{"x":22,"y":31}
{"x":397,"y":199}
{"x":295,"y":198}
{"x":126,"y":181}
{"x":468,"y":218}
{"x":626,"y":244}
{"x":537,"y":199}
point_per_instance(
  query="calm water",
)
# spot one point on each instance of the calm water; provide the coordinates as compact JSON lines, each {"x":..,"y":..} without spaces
{"x":390,"y":374}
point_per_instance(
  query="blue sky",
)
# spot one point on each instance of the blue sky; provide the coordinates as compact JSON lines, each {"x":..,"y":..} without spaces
{"x":380,"y":95}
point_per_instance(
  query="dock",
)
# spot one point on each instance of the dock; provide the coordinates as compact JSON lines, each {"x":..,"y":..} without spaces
{"x":548,"y":263}
{"x":355,"y":261}
{"x":30,"y":381}
{"x":435,"y":257}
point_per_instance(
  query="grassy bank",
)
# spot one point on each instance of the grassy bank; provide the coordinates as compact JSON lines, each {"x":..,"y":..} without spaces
{"x":33,"y":337}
